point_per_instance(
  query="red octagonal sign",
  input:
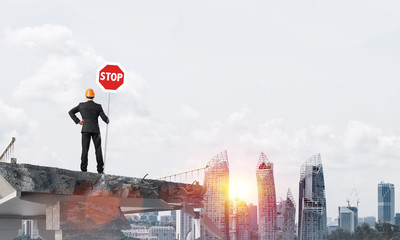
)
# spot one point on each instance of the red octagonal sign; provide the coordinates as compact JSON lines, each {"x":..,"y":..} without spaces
{"x":110,"y":77}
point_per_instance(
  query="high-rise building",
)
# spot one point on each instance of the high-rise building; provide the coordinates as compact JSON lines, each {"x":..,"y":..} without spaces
{"x":267,"y":217}
{"x":289,"y":214}
{"x":216,"y":199}
{"x":239,"y":220}
{"x":185,"y":228}
{"x":253,"y":225}
{"x":312,"y":224}
{"x":280,"y":218}
{"x":386,"y":202}
{"x":286,"y":213}
{"x":348,"y":218}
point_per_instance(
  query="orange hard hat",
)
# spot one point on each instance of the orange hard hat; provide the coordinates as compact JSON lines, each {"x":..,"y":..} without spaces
{"x":89,"y":93}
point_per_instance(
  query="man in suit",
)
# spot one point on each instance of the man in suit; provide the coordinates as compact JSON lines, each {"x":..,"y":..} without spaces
{"x":90,"y":112}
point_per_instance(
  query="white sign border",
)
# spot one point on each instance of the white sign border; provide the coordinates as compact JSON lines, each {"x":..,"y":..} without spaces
{"x":98,"y":77}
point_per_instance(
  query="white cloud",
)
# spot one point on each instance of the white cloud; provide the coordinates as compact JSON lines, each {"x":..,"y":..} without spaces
{"x":67,"y":68}
{"x":55,"y":37}
{"x":15,"y":122}
{"x":189,"y":113}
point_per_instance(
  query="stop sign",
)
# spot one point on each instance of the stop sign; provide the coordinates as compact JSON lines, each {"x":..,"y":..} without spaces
{"x":110,"y":77}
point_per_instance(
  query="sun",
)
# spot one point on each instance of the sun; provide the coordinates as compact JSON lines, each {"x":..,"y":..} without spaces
{"x":238,"y":190}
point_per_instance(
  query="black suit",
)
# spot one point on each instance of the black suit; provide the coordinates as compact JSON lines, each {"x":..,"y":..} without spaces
{"x":90,"y":112}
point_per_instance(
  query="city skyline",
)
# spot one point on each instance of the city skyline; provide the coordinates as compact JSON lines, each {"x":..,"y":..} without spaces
{"x":287,"y":78}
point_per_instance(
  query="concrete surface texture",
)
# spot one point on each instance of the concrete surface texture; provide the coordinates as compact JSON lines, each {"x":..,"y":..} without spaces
{"x":83,"y":205}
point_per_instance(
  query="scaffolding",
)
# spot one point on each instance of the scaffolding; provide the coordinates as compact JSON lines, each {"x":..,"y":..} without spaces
{"x":267,"y":218}
{"x":312,"y":201}
{"x":216,"y":199}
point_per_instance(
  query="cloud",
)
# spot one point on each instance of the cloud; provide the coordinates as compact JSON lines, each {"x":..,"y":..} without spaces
{"x":67,"y":66}
{"x":54,"y":37}
{"x":189,"y":113}
{"x":13,"y":123}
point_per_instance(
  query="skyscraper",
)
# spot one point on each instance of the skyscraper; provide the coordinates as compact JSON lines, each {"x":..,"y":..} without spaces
{"x":239,"y":220}
{"x":386,"y":202}
{"x":186,"y":228}
{"x":289,"y":214}
{"x":266,"y":199}
{"x":253,"y":217}
{"x":286,"y":213}
{"x":216,"y":199}
{"x":348,"y":218}
{"x":312,"y":201}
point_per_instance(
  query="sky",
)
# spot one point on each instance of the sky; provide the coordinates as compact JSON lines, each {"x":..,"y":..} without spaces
{"x":287,"y":78}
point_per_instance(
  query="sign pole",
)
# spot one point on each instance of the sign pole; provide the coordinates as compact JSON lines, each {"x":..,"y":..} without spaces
{"x":110,"y":78}
{"x":108,"y":115}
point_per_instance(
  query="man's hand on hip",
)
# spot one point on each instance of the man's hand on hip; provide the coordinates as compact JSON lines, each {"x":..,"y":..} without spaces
{"x":81,"y":122}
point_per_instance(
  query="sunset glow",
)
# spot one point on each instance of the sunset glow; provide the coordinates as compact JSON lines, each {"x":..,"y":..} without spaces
{"x":239,"y":190}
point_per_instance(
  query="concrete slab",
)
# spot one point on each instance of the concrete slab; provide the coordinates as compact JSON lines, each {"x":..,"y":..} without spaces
{"x":26,"y":190}
{"x":81,"y":205}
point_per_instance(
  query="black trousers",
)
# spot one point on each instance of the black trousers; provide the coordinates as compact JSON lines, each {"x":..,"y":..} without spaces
{"x":85,"y":148}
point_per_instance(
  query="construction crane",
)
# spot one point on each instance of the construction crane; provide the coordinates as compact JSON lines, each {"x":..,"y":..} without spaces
{"x":353,"y":198}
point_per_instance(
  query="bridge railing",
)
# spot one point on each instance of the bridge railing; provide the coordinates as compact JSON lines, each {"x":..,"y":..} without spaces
{"x":8,"y":153}
{"x":186,"y":176}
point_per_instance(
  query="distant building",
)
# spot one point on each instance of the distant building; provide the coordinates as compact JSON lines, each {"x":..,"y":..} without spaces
{"x":173,"y":215}
{"x":186,"y":227}
{"x":369,"y":220}
{"x":286,"y":213}
{"x":216,"y":199}
{"x":397,"y":219}
{"x":332,"y":228}
{"x":162,"y":233}
{"x":267,"y":217}
{"x":151,"y":217}
{"x":386,"y":202}
{"x":280,"y":219}
{"x":239,"y":221}
{"x":29,"y":228}
{"x":289,"y":215}
{"x":253,"y":226}
{"x":140,"y":232}
{"x":312,"y":224}
{"x":348,"y":218}
{"x":167,"y":219}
